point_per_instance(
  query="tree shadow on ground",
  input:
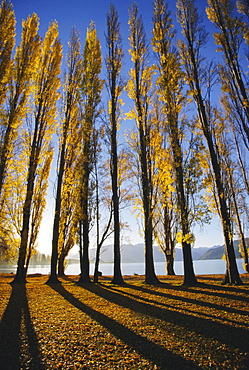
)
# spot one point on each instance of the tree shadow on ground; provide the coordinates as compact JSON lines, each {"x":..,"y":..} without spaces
{"x":177,"y":297}
{"x":155,"y":353}
{"x":183,"y":299}
{"x":222,"y":292}
{"x":19,"y":348}
{"x":231,"y":336}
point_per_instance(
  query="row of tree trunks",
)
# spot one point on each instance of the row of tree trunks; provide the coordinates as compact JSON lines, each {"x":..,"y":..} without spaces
{"x":195,"y":36}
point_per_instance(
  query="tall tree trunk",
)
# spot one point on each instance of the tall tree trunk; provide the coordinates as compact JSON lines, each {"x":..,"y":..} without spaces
{"x":169,"y":242}
{"x":84,"y":274}
{"x":232,"y":269}
{"x":117,"y":275}
{"x":243,"y":245}
{"x":91,"y":87}
{"x":21,"y":268}
{"x":57,"y":214}
{"x":150,"y":275}
{"x":81,"y":247}
{"x":97,"y":257}
{"x":140,"y":92}
{"x":115,"y":86}
{"x":96,"y":266}
{"x":28,"y":257}
{"x":170,"y":263}
{"x":189,"y":275}
{"x":61,"y":264}
{"x":54,"y":258}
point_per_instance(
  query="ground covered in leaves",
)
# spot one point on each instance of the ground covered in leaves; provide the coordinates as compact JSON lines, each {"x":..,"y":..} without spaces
{"x":136,"y":326}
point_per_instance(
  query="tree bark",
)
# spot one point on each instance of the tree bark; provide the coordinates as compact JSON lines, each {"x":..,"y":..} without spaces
{"x":21,"y":268}
{"x":150,"y":275}
{"x":169,"y":243}
{"x":117,"y":275}
{"x":61,"y":264}
{"x":57,"y":214}
{"x":96,"y":267}
{"x":170,"y":265}
{"x":84,"y":255}
{"x":243,"y":245}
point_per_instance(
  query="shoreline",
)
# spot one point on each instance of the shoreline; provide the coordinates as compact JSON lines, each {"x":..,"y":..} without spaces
{"x":201,"y":267}
{"x":134,"y":277}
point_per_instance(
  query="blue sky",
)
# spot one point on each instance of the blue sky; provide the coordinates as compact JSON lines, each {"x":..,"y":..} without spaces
{"x":80,"y":13}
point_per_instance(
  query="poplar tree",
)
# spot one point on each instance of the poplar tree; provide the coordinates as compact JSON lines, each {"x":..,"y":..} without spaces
{"x":19,"y":75}
{"x":165,"y":217}
{"x":170,"y":85}
{"x":233,"y":118}
{"x":46,"y":82}
{"x":7,"y":42}
{"x":195,"y":37}
{"x":232,"y":30}
{"x":115,"y":85}
{"x":139,"y":88}
{"x":90,"y":90}
{"x":69,"y":137}
{"x":232,"y":174}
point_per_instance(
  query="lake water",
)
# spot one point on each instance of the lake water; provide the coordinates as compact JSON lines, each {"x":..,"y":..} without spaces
{"x":201,"y":267}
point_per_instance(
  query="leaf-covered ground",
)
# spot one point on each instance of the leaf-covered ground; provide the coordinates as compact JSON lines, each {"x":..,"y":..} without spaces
{"x":136,"y":326}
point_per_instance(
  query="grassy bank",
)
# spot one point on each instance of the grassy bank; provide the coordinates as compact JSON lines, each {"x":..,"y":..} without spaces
{"x":137,"y":326}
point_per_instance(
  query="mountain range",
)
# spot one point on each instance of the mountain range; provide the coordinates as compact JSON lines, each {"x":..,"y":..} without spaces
{"x":218,"y":251}
{"x":135,"y":253}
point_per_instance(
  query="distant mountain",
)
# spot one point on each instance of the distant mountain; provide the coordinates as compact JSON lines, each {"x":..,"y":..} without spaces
{"x":135,"y":253}
{"x":197,"y":252}
{"x":218,"y":251}
{"x":214,"y":253}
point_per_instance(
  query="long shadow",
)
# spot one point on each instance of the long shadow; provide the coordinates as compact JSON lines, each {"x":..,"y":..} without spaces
{"x":204,"y":285}
{"x":229,"y":335}
{"x":14,"y":354}
{"x":171,"y":306}
{"x":160,"y":356}
{"x":223,"y":292}
{"x":185,"y":299}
